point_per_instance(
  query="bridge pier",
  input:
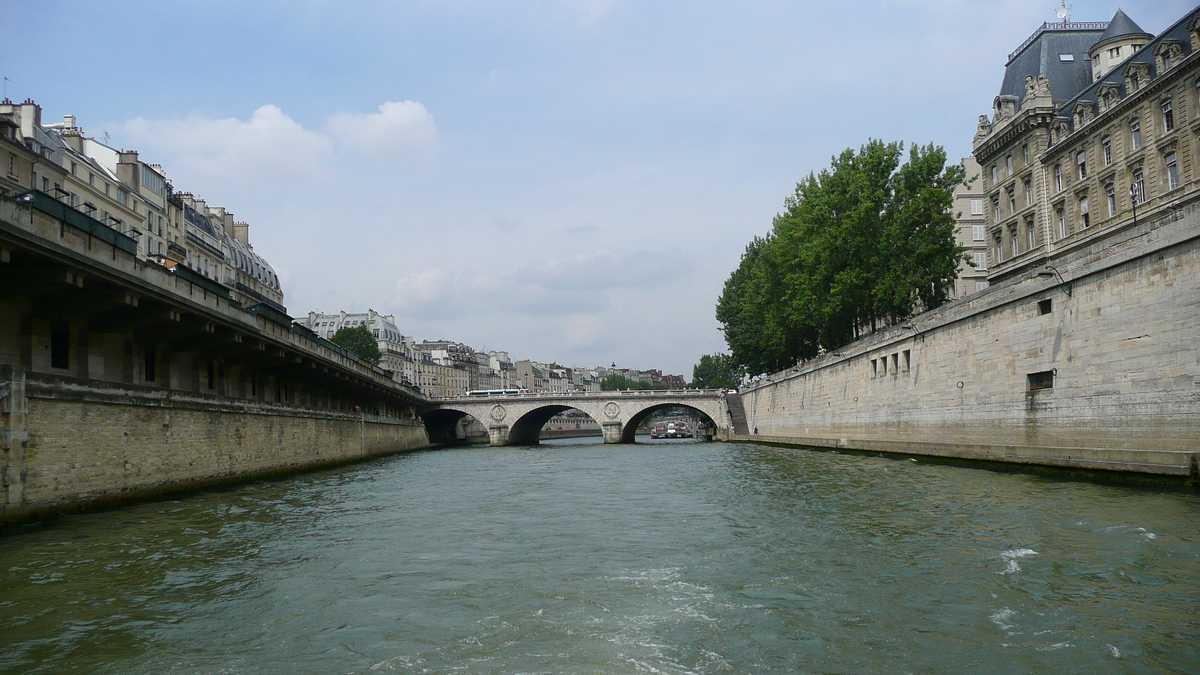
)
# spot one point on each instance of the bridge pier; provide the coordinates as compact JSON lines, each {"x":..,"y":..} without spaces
{"x":498,"y":434}
{"x":612,"y":432}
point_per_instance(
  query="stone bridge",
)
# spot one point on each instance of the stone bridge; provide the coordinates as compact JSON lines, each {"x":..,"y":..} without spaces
{"x":518,"y":419}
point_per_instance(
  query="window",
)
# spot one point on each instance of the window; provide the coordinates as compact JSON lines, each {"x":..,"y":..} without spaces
{"x":1114,"y":52}
{"x":980,"y":259}
{"x":977,"y":233}
{"x":1172,"y":171}
{"x":995,"y":209}
{"x":1012,"y":201}
{"x":1085,"y":218}
{"x":1025,"y":154}
{"x":977,"y":207}
{"x":981,"y":285}
{"x":148,"y":373}
{"x":1058,"y":177}
{"x":895,"y":363}
{"x":906,"y":361}
{"x":1045,"y":307}
{"x":1106,"y":147}
{"x":997,"y":245}
{"x":1008,"y":165}
{"x":1060,"y":217}
{"x":874,"y":368}
{"x":1135,"y":134}
{"x":1168,"y":115}
{"x":1028,"y":192}
{"x":1081,"y":164}
{"x":994,"y":174}
{"x":1066,"y":58}
{"x":60,"y":344}
{"x":1110,"y":197}
{"x":1030,"y":234}
{"x":1137,"y":188}
{"x":1013,"y":241}
{"x":1042,"y":380}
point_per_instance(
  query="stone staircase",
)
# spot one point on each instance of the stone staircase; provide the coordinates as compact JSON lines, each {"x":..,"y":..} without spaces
{"x":737,"y":414}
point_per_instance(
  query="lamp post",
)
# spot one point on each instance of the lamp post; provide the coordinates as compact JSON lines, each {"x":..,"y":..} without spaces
{"x":1050,"y":272}
{"x":1135,"y":196}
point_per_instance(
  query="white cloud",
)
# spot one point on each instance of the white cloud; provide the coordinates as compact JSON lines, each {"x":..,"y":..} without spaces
{"x":268,"y":148}
{"x":401,"y":131}
{"x":553,"y":288}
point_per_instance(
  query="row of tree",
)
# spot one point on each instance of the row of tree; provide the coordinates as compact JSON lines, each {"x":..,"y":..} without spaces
{"x":864,"y":244}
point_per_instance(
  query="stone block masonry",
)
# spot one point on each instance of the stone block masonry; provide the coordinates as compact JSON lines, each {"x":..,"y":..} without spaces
{"x":1100,"y":371}
{"x":71,"y":444}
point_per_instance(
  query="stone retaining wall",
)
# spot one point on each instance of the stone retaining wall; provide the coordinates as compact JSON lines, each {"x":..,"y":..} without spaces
{"x":72,"y":445}
{"x":1119,"y":343}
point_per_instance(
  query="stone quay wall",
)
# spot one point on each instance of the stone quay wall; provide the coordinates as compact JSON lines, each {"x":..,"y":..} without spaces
{"x":1098,"y":370}
{"x":76,"y":444}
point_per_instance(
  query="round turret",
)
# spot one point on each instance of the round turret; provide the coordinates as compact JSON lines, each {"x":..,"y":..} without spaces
{"x":1122,"y":39}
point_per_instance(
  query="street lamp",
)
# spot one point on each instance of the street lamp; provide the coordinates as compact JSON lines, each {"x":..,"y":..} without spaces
{"x":1051,"y":272}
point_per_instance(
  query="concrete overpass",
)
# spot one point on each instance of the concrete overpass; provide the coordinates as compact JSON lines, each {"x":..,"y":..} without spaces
{"x":518,"y":419}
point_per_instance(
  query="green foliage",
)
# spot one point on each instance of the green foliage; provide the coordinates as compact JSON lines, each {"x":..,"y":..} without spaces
{"x":359,"y":341}
{"x":716,"y":371}
{"x":615,"y":382}
{"x":861,"y":245}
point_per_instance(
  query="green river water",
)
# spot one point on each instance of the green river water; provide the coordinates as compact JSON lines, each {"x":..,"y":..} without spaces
{"x":574,"y":557}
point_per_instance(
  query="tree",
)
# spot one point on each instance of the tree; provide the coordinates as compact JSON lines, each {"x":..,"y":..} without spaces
{"x":615,"y":382}
{"x":360,"y":342}
{"x":864,"y":244}
{"x":716,"y":371}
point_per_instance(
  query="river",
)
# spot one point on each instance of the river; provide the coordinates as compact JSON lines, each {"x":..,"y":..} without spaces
{"x":574,"y":557}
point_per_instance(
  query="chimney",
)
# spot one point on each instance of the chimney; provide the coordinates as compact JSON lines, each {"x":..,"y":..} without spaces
{"x":31,"y":118}
{"x":127,"y":169}
{"x":241,"y":232}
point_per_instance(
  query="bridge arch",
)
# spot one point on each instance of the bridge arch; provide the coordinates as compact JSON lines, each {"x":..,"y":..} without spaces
{"x":441,"y":424}
{"x":629,"y":431}
{"x":527,"y":429}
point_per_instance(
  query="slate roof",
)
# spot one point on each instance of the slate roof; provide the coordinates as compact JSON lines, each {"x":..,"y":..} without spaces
{"x":1121,"y":26}
{"x":1041,"y":57}
{"x":1178,"y":31}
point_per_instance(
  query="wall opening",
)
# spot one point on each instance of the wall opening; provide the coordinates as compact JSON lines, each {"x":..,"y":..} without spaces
{"x":1045,"y":307}
{"x":60,"y":344}
{"x":1042,"y":380}
{"x":149,"y":373}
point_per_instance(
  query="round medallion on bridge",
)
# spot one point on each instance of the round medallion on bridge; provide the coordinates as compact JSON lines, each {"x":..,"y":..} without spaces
{"x":612,"y":409}
{"x":498,"y":412}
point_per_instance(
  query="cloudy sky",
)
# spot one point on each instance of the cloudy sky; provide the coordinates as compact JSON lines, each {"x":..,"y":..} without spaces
{"x":569,"y":180}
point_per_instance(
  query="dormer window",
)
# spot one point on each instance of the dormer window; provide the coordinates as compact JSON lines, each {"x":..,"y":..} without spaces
{"x":1066,"y":58}
{"x":1168,"y":53}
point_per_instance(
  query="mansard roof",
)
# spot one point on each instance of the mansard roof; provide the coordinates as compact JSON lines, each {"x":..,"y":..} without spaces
{"x":1121,"y":26}
{"x":1041,"y":56}
{"x":1178,"y":32}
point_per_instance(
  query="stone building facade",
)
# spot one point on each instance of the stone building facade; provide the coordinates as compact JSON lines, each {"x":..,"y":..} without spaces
{"x":1100,"y":133}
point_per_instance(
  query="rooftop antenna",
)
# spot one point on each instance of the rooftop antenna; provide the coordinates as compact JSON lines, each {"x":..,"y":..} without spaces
{"x":1064,"y":12}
